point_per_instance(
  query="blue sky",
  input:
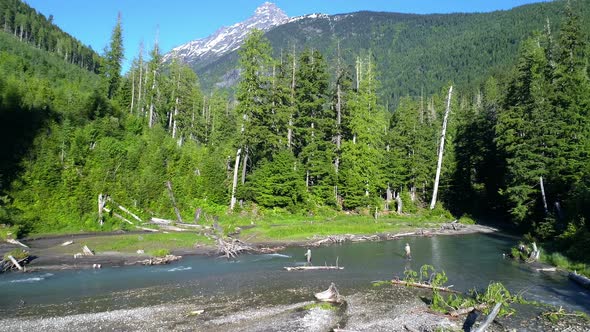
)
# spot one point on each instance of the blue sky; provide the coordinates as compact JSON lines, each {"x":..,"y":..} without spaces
{"x":180,"y":21}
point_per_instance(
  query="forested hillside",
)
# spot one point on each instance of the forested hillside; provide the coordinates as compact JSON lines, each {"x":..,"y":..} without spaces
{"x":415,"y":54}
{"x":306,"y":133}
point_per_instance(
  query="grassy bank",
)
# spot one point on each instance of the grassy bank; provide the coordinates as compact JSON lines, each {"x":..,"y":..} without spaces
{"x":558,"y":260}
{"x":130,"y":243}
{"x":282,"y":227}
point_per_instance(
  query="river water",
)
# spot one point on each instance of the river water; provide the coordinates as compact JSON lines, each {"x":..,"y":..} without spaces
{"x":470,"y":261}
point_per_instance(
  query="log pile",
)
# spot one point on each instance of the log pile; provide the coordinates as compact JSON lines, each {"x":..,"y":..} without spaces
{"x":232,"y":247}
{"x":337,"y":239}
{"x":159,"y":260}
{"x":11,"y":263}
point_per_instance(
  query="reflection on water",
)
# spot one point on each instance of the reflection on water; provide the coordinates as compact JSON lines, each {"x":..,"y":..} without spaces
{"x":470,"y":261}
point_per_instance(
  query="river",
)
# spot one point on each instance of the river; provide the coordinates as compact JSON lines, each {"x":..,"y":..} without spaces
{"x":470,"y":261}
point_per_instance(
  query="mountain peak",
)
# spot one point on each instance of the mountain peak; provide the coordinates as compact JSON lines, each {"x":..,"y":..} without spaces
{"x":228,"y":39}
{"x":268,"y":7}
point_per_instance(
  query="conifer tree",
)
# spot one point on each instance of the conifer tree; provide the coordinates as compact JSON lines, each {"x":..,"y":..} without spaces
{"x":314,"y":126}
{"x":113,"y":60}
{"x":362,"y":178}
{"x":254,"y":95}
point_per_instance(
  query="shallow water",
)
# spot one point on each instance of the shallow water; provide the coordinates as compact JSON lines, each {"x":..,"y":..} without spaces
{"x":470,"y":261}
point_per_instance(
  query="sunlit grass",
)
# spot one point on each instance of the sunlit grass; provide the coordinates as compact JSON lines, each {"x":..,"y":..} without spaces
{"x":130,"y":243}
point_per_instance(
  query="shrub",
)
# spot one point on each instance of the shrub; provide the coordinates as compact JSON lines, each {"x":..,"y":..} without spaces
{"x":160,"y":252}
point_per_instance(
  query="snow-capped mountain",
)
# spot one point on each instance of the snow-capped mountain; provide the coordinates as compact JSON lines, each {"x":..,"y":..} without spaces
{"x":228,"y":39}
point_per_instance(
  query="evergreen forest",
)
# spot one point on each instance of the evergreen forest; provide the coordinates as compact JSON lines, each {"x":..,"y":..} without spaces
{"x":302,"y":133}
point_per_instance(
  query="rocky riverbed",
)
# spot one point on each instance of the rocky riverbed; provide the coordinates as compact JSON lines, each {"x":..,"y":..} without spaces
{"x":383,"y":308}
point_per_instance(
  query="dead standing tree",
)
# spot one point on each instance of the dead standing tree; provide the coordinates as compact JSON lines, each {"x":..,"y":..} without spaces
{"x":441,"y":149}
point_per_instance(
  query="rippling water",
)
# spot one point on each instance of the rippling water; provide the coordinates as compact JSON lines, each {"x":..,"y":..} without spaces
{"x":470,"y":261}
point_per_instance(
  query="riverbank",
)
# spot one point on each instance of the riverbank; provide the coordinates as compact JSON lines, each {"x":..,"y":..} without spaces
{"x":121,"y":249}
{"x":384,"y":308}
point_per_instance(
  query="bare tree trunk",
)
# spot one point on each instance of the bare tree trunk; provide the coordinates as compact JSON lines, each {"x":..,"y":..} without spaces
{"x":290,"y":129}
{"x":132,"y":90}
{"x":245,"y":166}
{"x":543,"y":194}
{"x":388,"y":198}
{"x":102,"y":201}
{"x":398,"y":200}
{"x":140,"y":76}
{"x":232,"y":203}
{"x":171,"y":193}
{"x":441,"y":149}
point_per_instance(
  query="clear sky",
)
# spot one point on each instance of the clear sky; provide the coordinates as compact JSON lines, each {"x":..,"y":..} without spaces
{"x":180,"y":21}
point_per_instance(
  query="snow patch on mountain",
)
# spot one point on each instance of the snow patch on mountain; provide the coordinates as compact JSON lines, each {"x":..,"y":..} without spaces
{"x":228,"y":39}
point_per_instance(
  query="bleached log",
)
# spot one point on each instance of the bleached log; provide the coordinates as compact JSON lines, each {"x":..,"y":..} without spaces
{"x":161,"y":221}
{"x":87,"y":251}
{"x":329,"y":295}
{"x":312,"y":268}
{"x":147,"y":229}
{"x":546,"y":269}
{"x":490,"y":318}
{"x":17,"y":242}
{"x":122,"y":218}
{"x":15,"y":262}
{"x":441,"y":149}
{"x":122,"y":208}
{"x":67,"y":243}
{"x":421,"y":285}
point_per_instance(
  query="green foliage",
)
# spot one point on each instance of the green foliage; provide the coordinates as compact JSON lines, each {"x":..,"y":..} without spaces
{"x":320,"y":305}
{"x":160,"y":252}
{"x":17,"y":254}
{"x":277,"y":183}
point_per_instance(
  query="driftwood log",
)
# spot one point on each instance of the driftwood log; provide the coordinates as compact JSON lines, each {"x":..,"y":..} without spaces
{"x":87,"y":251}
{"x":490,"y":318}
{"x":17,"y":242}
{"x":312,"y":268}
{"x":330,"y":295}
{"x":423,"y":285}
{"x":579,"y":279}
{"x":160,"y":260}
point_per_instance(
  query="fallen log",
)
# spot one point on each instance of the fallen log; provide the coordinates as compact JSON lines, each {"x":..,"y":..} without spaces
{"x":312,"y":268}
{"x":467,"y":310}
{"x":17,"y":242}
{"x":146,"y":229}
{"x":15,"y":263}
{"x":67,"y":243}
{"x":579,"y":279}
{"x":330,"y":295}
{"x":87,"y":251}
{"x":422,"y":285}
{"x":159,"y":260}
{"x":490,"y":318}
{"x":546,"y":269}
{"x":161,"y":221}
{"x":122,"y":218}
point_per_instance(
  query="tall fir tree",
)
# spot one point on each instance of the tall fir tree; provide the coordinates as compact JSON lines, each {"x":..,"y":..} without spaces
{"x":113,"y":60}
